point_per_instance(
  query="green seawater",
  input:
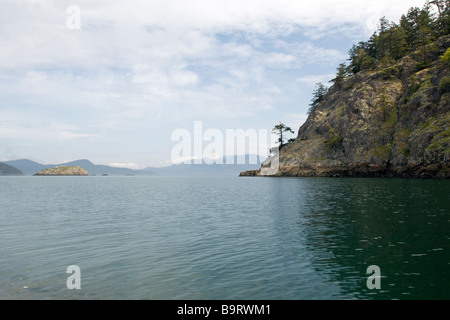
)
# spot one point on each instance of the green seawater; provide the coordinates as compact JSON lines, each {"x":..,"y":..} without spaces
{"x":224,"y":238}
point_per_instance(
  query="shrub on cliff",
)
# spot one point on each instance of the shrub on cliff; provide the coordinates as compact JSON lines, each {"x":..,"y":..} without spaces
{"x":446,"y":56}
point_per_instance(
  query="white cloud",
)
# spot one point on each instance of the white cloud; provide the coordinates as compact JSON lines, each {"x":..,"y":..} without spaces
{"x":134,"y":71}
{"x":45,"y":134}
{"x":34,"y":77}
{"x":234,"y":49}
{"x":116,"y":32}
{"x":130,"y":165}
{"x":279,"y":59}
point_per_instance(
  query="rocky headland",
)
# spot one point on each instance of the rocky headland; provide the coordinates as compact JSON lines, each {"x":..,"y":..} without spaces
{"x":390,"y":121}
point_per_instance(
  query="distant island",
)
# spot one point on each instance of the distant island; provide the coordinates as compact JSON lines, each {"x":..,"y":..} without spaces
{"x":230,"y":167}
{"x":63,"y":171}
{"x":7,"y":170}
{"x":387,"y":113}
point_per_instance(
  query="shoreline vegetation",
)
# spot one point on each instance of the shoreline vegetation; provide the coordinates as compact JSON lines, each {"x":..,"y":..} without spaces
{"x":387,"y":112}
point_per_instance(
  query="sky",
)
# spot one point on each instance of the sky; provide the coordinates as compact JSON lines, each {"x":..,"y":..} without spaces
{"x":112,"y":81}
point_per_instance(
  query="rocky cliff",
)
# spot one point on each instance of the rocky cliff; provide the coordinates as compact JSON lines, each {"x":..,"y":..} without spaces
{"x":63,"y":171}
{"x":389,"y":122}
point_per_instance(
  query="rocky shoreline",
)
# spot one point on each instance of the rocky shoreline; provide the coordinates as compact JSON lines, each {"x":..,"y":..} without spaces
{"x":434,"y":171}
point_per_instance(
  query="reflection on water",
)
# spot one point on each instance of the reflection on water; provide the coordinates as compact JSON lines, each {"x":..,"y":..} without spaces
{"x":223,"y":238}
{"x":402,"y":226}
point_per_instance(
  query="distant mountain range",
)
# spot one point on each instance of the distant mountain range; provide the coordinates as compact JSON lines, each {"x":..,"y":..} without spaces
{"x":29,"y":168}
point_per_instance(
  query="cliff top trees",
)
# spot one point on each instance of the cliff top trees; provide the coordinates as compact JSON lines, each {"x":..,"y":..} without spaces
{"x":414,"y":33}
{"x":392,"y":41}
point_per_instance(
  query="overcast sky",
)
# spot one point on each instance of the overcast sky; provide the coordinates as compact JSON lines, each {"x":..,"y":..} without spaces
{"x":116,"y":89}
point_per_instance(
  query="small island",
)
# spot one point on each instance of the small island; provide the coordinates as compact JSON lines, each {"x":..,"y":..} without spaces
{"x":63,"y":171}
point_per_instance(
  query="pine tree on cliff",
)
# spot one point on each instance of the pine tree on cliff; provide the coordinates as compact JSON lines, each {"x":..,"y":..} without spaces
{"x":318,"y":95}
{"x":342,"y":73}
{"x":280,"y":129}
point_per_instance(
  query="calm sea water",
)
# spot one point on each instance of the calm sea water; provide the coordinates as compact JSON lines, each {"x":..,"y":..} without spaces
{"x":223,"y":238}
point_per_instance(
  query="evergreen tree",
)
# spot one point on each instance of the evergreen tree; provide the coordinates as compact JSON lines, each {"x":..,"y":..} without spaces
{"x":383,"y":40}
{"x":427,"y":27}
{"x":443,"y":19}
{"x":280,"y":129}
{"x":391,"y":42}
{"x":384,"y":103}
{"x":399,"y":44}
{"x":360,"y":58}
{"x":319,"y":92}
{"x":425,"y":35}
{"x":342,"y":73}
{"x":384,"y":25}
{"x":410,"y":23}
